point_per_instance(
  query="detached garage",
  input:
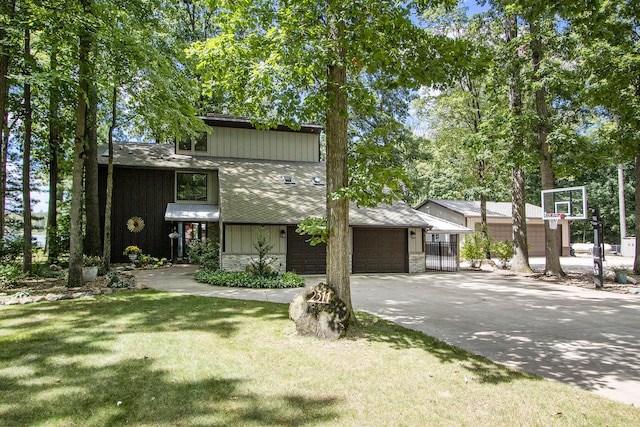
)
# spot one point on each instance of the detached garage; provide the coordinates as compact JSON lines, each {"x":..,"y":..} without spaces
{"x":467,"y":213}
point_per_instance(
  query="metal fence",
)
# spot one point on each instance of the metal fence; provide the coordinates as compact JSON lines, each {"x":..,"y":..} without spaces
{"x":441,"y":256}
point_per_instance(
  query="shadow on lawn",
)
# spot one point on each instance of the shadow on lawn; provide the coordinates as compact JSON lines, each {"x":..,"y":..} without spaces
{"x":374,"y":329}
{"x":59,"y":371}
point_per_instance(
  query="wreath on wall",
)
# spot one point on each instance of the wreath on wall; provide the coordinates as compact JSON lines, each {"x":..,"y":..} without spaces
{"x":135,"y":224}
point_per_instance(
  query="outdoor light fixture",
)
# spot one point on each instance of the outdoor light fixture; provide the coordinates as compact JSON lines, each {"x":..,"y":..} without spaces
{"x":283,"y":234}
{"x":412,"y":234}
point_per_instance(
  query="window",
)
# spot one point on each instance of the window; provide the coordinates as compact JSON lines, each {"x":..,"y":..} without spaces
{"x":193,"y":143}
{"x":192,"y":187}
{"x":200,"y":141}
{"x":184,"y":143}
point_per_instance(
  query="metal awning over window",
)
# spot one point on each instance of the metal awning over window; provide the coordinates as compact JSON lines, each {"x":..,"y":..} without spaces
{"x":191,"y":212}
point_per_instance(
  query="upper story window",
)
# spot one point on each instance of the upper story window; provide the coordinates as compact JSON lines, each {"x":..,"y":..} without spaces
{"x":198,"y":142}
{"x":191,"y":186}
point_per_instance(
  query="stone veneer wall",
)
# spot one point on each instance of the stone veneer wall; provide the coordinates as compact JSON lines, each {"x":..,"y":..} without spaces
{"x":417,"y":263}
{"x":238,"y":262}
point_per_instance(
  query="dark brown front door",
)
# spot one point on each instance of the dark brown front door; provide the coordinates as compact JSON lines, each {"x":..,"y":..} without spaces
{"x":380,"y":250}
{"x":304,"y":258}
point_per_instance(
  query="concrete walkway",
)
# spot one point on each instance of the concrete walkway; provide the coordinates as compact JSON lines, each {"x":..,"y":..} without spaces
{"x":579,"y":336}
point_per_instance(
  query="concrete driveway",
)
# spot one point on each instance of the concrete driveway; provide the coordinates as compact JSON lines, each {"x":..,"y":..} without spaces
{"x":579,"y":336}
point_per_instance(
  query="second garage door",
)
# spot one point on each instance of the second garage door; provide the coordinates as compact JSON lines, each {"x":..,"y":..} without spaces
{"x":535,"y":236}
{"x":380,"y":250}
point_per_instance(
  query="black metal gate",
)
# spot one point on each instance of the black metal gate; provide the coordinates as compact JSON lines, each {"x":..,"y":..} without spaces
{"x":441,"y":256}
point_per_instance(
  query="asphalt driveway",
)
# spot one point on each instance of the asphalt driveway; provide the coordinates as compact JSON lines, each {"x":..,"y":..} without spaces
{"x":580,"y":336}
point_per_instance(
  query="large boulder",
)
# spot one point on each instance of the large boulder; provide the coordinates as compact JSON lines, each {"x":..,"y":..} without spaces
{"x":319,"y":311}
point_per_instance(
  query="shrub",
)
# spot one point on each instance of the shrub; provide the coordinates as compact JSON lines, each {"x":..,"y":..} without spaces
{"x":246,"y":280}
{"x":503,"y":250}
{"x":205,"y":254}
{"x":118,"y":282}
{"x":473,"y":249}
{"x":9,"y":274}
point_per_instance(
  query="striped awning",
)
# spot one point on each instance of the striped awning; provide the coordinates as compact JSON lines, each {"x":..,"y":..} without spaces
{"x":191,"y":212}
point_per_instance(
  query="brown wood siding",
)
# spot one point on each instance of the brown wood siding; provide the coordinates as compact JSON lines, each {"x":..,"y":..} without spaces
{"x":535,"y":236}
{"x":380,"y":250}
{"x":304,"y":258}
{"x":144,"y":193}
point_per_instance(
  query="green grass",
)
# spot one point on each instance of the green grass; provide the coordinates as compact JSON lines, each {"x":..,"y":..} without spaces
{"x":193,"y":361}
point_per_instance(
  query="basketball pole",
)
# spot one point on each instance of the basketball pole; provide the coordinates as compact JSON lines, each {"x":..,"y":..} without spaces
{"x":597,"y":248}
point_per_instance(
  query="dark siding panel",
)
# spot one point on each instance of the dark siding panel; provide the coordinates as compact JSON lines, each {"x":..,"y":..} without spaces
{"x":143,"y":193}
{"x":380,"y":250}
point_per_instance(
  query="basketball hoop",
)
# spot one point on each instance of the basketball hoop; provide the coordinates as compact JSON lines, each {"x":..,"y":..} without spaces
{"x":553,"y":220}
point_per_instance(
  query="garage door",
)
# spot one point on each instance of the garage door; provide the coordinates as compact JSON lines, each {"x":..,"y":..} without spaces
{"x":535,"y":236}
{"x":304,"y":258}
{"x":380,"y":250}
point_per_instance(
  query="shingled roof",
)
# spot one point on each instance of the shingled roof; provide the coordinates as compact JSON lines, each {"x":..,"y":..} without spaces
{"x":494,"y":209}
{"x":254,"y":192}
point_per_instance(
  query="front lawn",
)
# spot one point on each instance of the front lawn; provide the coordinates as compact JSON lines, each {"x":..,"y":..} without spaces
{"x":159,"y":359}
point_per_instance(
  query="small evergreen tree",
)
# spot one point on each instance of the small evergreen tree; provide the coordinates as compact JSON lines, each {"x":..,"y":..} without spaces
{"x":263,"y":266}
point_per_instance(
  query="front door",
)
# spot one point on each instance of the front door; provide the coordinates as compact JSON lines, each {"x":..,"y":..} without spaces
{"x":188,"y":234}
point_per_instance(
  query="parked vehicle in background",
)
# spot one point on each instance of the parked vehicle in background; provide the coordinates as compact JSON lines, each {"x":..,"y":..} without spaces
{"x":587,"y":248}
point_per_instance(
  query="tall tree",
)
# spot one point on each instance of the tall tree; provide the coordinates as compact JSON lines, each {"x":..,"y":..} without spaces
{"x":520,"y":260}
{"x":106,"y":248}
{"x":7,"y":11}
{"x":26,"y":154}
{"x":86,"y":40}
{"x":542,"y":127}
{"x":609,"y":34}
{"x":307,"y":61}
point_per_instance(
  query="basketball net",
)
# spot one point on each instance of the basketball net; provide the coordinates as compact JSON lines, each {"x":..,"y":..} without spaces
{"x":553,"y":219}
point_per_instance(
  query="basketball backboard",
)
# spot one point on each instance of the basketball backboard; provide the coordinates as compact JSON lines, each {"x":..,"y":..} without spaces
{"x":564,"y":203}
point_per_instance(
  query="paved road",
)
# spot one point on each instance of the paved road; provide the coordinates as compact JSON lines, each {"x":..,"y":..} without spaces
{"x":580,"y":336}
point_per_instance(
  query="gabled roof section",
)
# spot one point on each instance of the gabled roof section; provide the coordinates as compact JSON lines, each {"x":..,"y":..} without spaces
{"x":471,"y":208}
{"x":154,"y":156}
{"x":223,"y":120}
{"x":442,"y":226}
{"x":253,"y":192}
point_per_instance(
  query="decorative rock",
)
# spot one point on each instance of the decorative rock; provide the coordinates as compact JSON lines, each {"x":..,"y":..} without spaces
{"x":26,"y":300}
{"x":141,"y":287}
{"x":12,"y":301}
{"x":51,"y":297}
{"x":61,"y":297}
{"x":319,"y":312}
{"x":38,"y":298}
{"x":634,"y":290}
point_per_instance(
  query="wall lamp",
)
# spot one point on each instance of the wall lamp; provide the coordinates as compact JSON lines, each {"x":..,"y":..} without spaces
{"x":283,"y":234}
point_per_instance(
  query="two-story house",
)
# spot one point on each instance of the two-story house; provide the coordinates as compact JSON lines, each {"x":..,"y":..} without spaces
{"x":226,"y":184}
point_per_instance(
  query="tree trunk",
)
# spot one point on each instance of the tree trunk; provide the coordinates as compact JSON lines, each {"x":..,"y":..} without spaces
{"x":338,"y":257}
{"x":636,"y":261}
{"x":92,"y":241}
{"x":552,"y":251}
{"x":7,"y":9}
{"x":79,"y":155}
{"x":106,"y":251}
{"x":27,"y":253}
{"x":484,"y":227}
{"x":520,"y":260}
{"x":53,"y":243}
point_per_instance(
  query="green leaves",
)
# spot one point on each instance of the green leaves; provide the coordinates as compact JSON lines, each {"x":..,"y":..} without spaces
{"x":316,"y":228}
